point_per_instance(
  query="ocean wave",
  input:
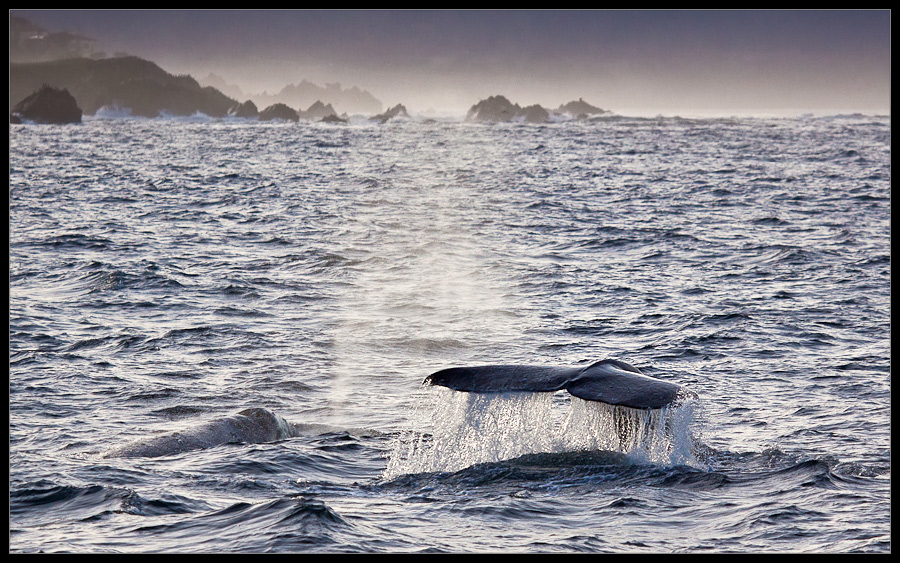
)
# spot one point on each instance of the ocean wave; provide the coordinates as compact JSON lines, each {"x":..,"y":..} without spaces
{"x":167,"y":274}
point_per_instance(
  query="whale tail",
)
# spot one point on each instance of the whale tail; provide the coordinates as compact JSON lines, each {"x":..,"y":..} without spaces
{"x":608,"y":381}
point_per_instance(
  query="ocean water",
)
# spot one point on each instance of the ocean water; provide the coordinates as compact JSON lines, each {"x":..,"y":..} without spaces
{"x":166,"y":274}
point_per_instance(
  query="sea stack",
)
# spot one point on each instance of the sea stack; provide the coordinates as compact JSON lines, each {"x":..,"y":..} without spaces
{"x":47,"y":105}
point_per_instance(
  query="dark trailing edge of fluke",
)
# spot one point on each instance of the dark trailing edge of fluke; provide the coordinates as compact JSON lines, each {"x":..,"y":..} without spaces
{"x":608,"y":381}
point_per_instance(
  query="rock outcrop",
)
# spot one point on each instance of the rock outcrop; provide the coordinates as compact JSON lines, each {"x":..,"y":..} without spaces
{"x":499,"y":109}
{"x":397,"y":111}
{"x":318,"y":111}
{"x":535,"y":114}
{"x":494,"y":109}
{"x":353,"y":99}
{"x":279,"y":111}
{"x":47,"y":105}
{"x":580,"y":108}
{"x":246,"y":110}
{"x":334,"y":118}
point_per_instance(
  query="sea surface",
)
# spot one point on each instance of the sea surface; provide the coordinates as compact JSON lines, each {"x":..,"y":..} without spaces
{"x":167,"y":274}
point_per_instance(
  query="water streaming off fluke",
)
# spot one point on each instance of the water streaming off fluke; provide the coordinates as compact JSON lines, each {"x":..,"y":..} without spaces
{"x":457,"y":429}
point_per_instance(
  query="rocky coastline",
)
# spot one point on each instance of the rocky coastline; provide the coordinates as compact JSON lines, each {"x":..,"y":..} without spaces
{"x":62,"y":91}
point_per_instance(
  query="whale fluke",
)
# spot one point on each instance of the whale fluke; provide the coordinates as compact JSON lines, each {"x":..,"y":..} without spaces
{"x":494,"y":379}
{"x":608,"y":381}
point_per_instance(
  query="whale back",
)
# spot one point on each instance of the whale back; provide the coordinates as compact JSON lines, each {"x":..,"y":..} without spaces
{"x":250,"y":426}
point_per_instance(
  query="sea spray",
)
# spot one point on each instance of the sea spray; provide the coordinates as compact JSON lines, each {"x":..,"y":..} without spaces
{"x":455,"y":430}
{"x":665,"y":436}
{"x":463,"y":429}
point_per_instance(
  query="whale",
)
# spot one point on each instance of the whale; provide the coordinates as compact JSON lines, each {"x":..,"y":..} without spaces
{"x":250,"y":426}
{"x":609,"y":381}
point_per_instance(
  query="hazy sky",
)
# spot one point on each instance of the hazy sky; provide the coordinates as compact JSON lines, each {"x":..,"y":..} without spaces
{"x":631,"y":62}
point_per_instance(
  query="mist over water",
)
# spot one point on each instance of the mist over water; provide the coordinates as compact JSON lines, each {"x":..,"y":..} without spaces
{"x":168,"y":274}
